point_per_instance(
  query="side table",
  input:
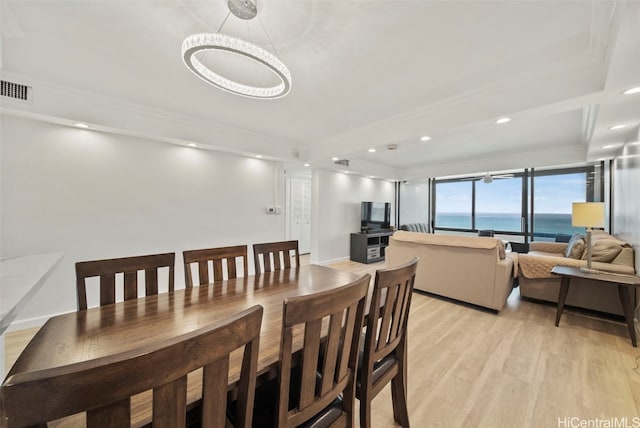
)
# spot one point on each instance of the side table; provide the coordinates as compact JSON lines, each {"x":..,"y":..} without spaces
{"x":624,"y":283}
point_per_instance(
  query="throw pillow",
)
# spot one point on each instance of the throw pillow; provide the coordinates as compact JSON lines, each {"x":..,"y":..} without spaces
{"x":575,"y":247}
{"x":604,"y":251}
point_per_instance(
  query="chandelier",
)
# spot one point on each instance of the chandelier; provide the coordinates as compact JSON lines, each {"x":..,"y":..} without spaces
{"x":196,"y":43}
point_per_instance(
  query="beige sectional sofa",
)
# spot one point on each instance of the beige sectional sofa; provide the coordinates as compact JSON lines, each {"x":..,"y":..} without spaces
{"x":469,"y":269}
{"x":610,"y":254}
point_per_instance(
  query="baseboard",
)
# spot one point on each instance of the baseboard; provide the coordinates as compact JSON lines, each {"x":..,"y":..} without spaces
{"x":29,"y":323}
{"x":328,"y":262}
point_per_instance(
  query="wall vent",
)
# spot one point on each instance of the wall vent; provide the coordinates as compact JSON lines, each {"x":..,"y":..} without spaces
{"x":343,"y":162}
{"x":15,"y":91}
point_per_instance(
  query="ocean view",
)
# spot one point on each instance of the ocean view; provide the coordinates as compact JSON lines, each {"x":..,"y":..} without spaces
{"x":543,"y":223}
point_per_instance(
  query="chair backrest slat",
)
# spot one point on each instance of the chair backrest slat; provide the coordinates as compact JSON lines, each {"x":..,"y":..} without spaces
{"x":128,"y":266}
{"x":218,"y":258}
{"x":103,"y":387}
{"x":385,"y":331}
{"x":275,"y":256}
{"x":340,"y":311}
{"x":131,"y":285}
{"x":107,"y":290}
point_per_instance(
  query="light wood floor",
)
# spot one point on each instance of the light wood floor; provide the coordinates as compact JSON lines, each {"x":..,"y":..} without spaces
{"x":472,"y":368}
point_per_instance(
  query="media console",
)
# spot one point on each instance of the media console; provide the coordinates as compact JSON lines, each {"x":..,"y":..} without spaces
{"x":369,"y":247}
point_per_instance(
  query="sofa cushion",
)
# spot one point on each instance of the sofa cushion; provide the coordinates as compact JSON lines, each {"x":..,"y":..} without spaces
{"x":415,"y":227}
{"x":604,"y":250}
{"x":625,"y":258}
{"x":501,"y":250}
{"x":575,"y":247}
{"x":451,"y":241}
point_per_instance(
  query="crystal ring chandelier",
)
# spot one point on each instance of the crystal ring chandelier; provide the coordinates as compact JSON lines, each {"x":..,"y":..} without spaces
{"x":192,"y":45}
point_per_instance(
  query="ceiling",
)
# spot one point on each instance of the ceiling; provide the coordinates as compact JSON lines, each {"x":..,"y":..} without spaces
{"x":365,"y":74}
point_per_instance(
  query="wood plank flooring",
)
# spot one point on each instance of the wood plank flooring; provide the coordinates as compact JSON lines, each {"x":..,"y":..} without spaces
{"x":472,"y":368}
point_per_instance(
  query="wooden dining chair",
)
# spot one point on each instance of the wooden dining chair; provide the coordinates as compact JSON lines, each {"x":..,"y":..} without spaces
{"x":316,"y":387}
{"x":384,"y":357}
{"x":275,"y":255}
{"x":103,"y":387}
{"x":218,"y":259}
{"x":129,"y":267}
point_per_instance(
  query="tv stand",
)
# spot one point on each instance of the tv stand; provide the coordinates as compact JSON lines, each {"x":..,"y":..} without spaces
{"x":369,"y":247}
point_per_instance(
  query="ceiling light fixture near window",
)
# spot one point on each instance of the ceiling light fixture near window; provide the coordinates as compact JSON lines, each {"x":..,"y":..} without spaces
{"x":335,"y":158}
{"x":503,"y":120}
{"x":259,"y":156}
{"x":371,"y":150}
{"x":81,"y":125}
{"x":192,"y":145}
{"x":306,"y":164}
{"x":608,"y":146}
{"x":632,"y":91}
{"x":425,"y":138}
{"x":616,"y":127}
{"x":202,"y":42}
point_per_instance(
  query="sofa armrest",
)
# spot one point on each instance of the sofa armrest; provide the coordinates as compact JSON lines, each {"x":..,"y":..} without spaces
{"x":548,"y":247}
{"x":503,"y":285}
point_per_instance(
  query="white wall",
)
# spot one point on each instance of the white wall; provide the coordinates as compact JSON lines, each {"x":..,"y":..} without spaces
{"x":626,"y":201}
{"x":93,"y":195}
{"x":335,"y":214}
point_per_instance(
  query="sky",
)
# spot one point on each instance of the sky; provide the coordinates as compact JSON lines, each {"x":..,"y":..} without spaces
{"x":552,"y":194}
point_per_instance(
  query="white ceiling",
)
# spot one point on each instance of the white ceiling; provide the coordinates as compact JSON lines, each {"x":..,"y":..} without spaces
{"x":365,"y":74}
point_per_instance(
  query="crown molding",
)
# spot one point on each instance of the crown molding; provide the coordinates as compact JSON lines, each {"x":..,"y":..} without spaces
{"x":64,"y":105}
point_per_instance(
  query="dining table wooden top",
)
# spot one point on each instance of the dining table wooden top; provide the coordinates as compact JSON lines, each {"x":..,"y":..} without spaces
{"x":111,"y":329}
{"x":108,"y":330}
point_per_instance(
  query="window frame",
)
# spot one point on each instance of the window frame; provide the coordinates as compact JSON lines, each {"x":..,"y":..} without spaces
{"x":527,"y":210}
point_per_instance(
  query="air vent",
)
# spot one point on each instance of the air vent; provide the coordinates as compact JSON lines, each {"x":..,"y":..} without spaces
{"x":15,"y":91}
{"x":343,"y":162}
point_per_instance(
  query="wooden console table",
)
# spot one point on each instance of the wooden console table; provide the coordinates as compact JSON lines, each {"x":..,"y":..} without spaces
{"x":624,"y":283}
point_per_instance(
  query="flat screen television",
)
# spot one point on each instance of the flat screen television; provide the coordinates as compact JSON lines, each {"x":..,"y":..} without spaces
{"x":375,"y":216}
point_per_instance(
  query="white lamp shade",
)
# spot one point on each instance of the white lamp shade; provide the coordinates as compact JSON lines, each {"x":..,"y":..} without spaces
{"x":588,"y":214}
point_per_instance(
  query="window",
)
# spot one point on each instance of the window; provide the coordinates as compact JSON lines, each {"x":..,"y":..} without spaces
{"x":454,"y":203}
{"x":499,"y":205}
{"x":553,"y":194}
{"x":535,"y":205}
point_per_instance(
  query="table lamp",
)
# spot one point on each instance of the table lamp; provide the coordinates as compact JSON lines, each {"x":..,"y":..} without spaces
{"x":589,"y":215}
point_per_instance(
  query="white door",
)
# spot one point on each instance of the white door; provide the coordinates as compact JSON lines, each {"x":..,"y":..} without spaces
{"x":300,"y":220}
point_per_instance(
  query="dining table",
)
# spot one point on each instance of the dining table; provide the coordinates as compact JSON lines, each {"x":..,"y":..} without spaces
{"x":111,"y":329}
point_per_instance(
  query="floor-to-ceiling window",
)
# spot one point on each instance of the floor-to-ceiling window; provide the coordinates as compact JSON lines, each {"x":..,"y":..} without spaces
{"x":499,"y":204}
{"x":554,"y":191}
{"x":532,"y":204}
{"x":454,"y":200}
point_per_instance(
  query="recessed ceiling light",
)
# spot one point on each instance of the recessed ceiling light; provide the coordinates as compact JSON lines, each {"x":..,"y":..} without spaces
{"x":192,"y":145}
{"x":503,"y":120}
{"x":346,"y":172}
{"x":81,"y":125}
{"x":371,"y":150}
{"x":425,"y":138}
{"x":608,"y":146}
{"x":306,"y":164}
{"x":632,"y":91}
{"x":259,"y":156}
{"x":335,"y":158}
{"x":614,"y":127}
